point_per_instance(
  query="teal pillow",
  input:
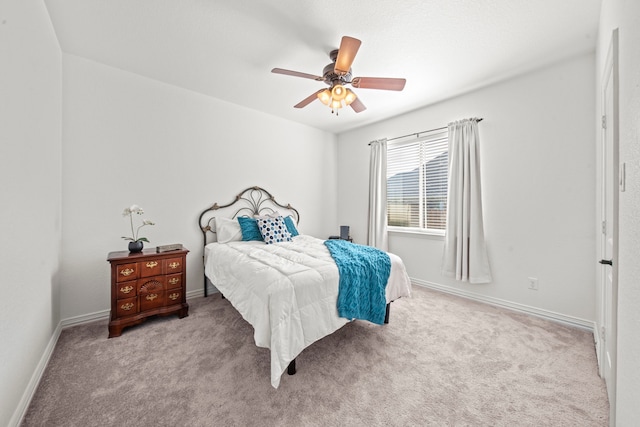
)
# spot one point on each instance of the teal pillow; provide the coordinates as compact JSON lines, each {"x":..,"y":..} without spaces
{"x":288,"y":221}
{"x":249,"y":228}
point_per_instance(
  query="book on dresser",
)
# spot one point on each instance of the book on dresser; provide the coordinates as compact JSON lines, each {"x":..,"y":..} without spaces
{"x":145,"y":284}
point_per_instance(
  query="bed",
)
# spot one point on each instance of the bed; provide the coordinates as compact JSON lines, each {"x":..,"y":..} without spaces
{"x":289,"y":291}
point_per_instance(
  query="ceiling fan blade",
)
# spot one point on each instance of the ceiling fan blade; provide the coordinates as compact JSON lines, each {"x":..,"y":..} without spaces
{"x":346,"y":54}
{"x":308,"y":100}
{"x":357,"y":106}
{"x":297,"y":74}
{"x":383,"y":83}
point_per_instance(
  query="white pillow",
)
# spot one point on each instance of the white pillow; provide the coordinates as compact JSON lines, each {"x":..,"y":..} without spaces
{"x":276,"y":215}
{"x":228,"y":230}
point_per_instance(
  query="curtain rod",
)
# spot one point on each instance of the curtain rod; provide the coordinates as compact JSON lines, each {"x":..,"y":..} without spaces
{"x":424,"y":131}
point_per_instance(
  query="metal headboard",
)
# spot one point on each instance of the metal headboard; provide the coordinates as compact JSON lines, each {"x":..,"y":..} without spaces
{"x":251,"y":201}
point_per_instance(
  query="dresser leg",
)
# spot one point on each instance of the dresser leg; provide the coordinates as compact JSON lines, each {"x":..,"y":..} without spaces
{"x":115,"y":331}
{"x":184,"y":311}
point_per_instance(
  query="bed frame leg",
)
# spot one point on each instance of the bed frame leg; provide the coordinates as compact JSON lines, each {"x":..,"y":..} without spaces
{"x":291,"y":369}
{"x":386,"y":314}
{"x":205,"y":286}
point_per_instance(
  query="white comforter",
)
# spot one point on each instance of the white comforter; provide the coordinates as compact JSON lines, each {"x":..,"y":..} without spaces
{"x":286,"y":291}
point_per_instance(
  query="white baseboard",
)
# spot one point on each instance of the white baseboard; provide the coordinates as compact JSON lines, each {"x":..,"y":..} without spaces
{"x":599,"y":350}
{"x":25,"y":400}
{"x":23,"y":405}
{"x":104,"y":314}
{"x":200,"y":292}
{"x":197,"y":293}
{"x":522,"y":308}
{"x":85,"y":318}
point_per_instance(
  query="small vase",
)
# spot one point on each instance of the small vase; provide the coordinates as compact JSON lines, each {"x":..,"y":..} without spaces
{"x":136,"y":246}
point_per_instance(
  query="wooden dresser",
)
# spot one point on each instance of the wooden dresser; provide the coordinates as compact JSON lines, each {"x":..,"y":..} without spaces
{"x":145,"y":284}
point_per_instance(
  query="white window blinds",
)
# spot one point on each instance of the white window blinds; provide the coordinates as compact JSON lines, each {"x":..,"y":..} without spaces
{"x":417,"y":182}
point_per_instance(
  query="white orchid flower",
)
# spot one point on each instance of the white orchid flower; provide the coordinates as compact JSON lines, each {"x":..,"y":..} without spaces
{"x":134,"y":233}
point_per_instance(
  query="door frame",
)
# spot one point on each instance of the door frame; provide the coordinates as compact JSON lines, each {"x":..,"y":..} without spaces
{"x":606,"y":334}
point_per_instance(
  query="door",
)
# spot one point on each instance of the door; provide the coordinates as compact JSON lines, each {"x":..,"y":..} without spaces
{"x":609,"y":226}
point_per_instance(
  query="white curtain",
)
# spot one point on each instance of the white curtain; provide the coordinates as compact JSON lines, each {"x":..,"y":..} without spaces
{"x":377,"y":236}
{"x":465,"y":252}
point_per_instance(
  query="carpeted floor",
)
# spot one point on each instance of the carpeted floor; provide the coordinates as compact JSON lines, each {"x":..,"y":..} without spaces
{"x":442,"y":361}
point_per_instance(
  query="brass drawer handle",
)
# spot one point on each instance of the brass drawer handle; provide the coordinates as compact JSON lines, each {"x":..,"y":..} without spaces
{"x":127,"y":271}
{"x":128,"y":306}
{"x":126,"y":289}
{"x":174,"y":280}
{"x":174,"y":296}
{"x":152,"y":264}
{"x":174,"y":265}
{"x":151,"y":297}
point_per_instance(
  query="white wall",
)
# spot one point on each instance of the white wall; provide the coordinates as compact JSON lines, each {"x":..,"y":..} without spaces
{"x":538,"y":170}
{"x":30,"y":111}
{"x":129,"y":139}
{"x":625,"y":15}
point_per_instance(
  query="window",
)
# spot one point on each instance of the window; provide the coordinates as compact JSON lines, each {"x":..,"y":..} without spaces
{"x":417,"y":183}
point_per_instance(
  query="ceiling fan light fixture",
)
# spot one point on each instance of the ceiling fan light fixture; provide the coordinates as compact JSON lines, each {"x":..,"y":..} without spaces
{"x":324,"y":96}
{"x":338,"y":92}
{"x":335,"y":104}
{"x":349,"y":97}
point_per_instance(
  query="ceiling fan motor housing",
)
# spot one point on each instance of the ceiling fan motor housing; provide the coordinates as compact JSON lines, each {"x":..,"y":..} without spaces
{"x":330,"y":76}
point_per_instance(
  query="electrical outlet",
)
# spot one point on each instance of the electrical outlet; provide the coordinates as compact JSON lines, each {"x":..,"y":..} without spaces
{"x":533,"y":283}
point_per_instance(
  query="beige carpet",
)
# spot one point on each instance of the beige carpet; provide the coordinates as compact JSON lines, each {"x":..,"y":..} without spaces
{"x":442,"y":361}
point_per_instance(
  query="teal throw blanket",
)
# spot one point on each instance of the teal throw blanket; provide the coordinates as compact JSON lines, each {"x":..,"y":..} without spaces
{"x":364,"y":272}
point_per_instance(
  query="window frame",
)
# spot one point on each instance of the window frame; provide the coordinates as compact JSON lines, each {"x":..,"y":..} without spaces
{"x":436,"y":136}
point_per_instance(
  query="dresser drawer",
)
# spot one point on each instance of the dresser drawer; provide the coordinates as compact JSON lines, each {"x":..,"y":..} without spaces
{"x":174,"y":296}
{"x":126,"y":272}
{"x":151,"y":300}
{"x":150,"y":268}
{"x":126,"y":289}
{"x":151,"y":292}
{"x":173,"y":265}
{"x":174,"y":281}
{"x":127,"y":306}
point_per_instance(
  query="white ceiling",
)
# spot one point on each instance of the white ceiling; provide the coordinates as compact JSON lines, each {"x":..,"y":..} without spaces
{"x":227,"y":48}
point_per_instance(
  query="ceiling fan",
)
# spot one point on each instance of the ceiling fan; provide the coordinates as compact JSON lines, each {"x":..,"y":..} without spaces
{"x":338,"y":74}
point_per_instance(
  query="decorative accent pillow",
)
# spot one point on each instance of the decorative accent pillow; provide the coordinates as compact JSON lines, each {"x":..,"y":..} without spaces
{"x":288,"y":221}
{"x":227,"y":230}
{"x":291,"y":226}
{"x":249,"y":228}
{"x":273,"y":230}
